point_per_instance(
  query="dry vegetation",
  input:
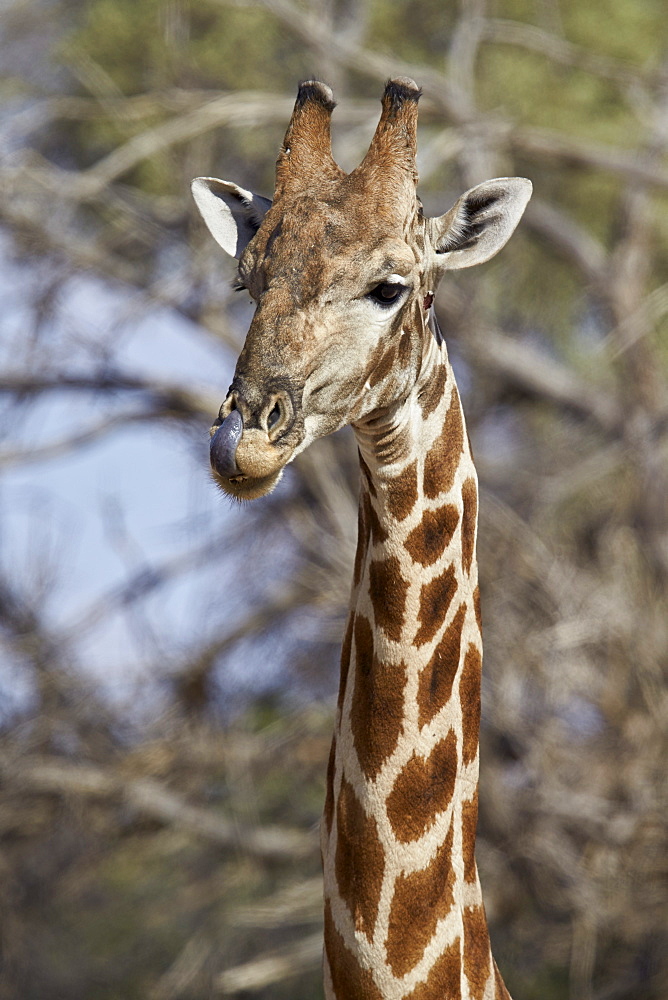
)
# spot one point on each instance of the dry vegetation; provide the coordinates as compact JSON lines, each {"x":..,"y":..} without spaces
{"x":177,"y":857}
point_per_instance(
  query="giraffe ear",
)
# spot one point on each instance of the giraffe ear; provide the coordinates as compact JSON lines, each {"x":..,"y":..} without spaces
{"x":232,"y":214}
{"x":479,"y":223}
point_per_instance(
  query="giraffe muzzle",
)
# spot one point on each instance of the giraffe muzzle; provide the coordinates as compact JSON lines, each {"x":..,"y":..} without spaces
{"x":248,"y":452}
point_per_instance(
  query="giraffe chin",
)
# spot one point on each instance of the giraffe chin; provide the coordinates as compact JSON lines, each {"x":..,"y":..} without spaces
{"x":247,"y":487}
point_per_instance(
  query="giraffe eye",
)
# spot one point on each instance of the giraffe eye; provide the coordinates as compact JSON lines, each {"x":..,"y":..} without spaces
{"x":387,"y":293}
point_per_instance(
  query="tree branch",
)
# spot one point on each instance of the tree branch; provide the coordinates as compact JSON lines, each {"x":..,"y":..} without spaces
{"x":528,"y":36}
{"x":152,"y":799}
{"x":169,"y":399}
{"x":530,"y":369}
{"x":63,"y":446}
{"x":272,"y":967}
{"x":546,"y":143}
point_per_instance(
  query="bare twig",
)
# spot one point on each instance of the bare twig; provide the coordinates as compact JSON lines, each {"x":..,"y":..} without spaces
{"x":152,"y":799}
{"x":528,"y":368}
{"x":272,"y":967}
{"x":65,"y":445}
{"x":296,"y":903}
{"x":169,"y":399}
{"x":583,"y":249}
{"x":550,"y":144}
{"x":239,"y":109}
{"x":310,"y":29}
{"x":559,"y":50}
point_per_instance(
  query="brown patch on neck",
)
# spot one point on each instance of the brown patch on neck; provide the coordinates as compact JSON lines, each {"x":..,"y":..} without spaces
{"x":477,"y":608}
{"x":469,"y":826}
{"x":469,"y":694}
{"x":420,"y":900}
{"x":437,"y":678}
{"x":477,"y":956}
{"x":329,"y":795}
{"x":431,"y":394}
{"x":349,"y":979}
{"x":443,"y":458}
{"x":401,"y":492}
{"x":469,"y":519}
{"x":427,"y":542}
{"x":435,"y":599}
{"x":359,"y":861}
{"x":444,"y":981}
{"x":364,"y":468}
{"x":423,"y":790}
{"x":377,"y":714}
{"x":384,"y":367}
{"x":345,"y":658}
{"x":388,"y":589}
{"x":378,"y":533}
{"x":363,"y":529}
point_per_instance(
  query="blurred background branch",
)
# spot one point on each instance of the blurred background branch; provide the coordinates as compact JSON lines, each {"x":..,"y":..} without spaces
{"x":168,"y":665}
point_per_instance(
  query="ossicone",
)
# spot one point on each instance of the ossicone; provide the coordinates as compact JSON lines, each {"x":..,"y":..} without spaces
{"x":389,"y":169}
{"x":306,"y":157}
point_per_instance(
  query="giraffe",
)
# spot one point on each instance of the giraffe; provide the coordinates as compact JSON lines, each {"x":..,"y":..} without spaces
{"x":343,"y":268}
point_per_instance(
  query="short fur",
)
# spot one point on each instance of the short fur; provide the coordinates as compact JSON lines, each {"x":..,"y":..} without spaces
{"x":343,"y":269}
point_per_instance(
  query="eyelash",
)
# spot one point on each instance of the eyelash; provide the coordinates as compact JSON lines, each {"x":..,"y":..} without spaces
{"x":376,"y":294}
{"x":238,"y":285}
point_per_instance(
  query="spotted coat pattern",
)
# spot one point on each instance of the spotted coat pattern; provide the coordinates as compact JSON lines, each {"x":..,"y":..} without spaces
{"x":343,"y":268}
{"x":405,"y":917}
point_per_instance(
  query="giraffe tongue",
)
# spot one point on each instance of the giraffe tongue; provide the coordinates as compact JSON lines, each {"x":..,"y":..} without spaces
{"x":223,"y":447}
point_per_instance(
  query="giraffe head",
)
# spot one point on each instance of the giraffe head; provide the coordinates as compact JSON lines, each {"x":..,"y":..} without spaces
{"x":343,"y":269}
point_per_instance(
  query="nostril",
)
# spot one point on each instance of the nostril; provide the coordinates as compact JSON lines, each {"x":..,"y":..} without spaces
{"x":229,"y":405}
{"x":274,"y":416}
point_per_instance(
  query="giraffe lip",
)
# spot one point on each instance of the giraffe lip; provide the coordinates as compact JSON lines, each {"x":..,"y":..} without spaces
{"x":244,"y":487}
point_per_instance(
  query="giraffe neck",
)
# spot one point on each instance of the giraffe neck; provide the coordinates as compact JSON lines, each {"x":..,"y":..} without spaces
{"x":403,"y":908}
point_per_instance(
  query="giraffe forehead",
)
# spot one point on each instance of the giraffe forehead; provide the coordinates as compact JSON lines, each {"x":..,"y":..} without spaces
{"x":312,"y":244}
